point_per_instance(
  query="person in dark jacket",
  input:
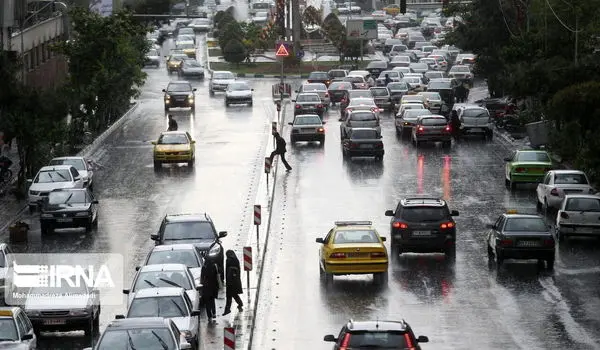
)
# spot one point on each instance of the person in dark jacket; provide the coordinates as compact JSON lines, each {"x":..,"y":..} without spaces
{"x":233,"y":282}
{"x":455,"y":124}
{"x":387,"y":79}
{"x":280,"y":150}
{"x":172,"y":123}
{"x":210,"y":288}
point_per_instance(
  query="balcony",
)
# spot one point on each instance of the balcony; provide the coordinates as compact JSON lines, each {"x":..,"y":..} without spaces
{"x":37,"y":34}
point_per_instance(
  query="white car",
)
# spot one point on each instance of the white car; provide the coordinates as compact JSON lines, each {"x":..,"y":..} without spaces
{"x":201,"y":24}
{"x":579,"y":215}
{"x":559,"y":183}
{"x":84,"y":168}
{"x":433,"y":100}
{"x":238,"y":92}
{"x":220,"y":80}
{"x":172,"y":303}
{"x":260,"y":18}
{"x":318,"y":88}
{"x":462,"y":73}
{"x":184,"y":253}
{"x":50,"y":178}
{"x":407,"y":106}
{"x":164,"y":275}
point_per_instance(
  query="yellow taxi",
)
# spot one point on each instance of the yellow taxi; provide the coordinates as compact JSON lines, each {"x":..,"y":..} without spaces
{"x":16,"y":330}
{"x":174,"y":147}
{"x":392,"y":9}
{"x":353,"y":248}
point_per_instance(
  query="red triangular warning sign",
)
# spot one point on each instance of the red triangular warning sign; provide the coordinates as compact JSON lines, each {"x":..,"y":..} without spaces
{"x":282,"y":51}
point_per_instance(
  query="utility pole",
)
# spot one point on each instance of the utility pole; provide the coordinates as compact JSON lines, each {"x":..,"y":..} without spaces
{"x":576,"y":36}
{"x":296,"y":24}
{"x":288,"y":17}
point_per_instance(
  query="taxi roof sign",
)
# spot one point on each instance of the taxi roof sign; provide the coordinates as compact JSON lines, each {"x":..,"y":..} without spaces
{"x":512,"y":211}
{"x":353,"y":223}
{"x":282,"y":51}
{"x":6,"y":313}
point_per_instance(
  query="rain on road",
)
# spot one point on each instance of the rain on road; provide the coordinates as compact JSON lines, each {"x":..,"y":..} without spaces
{"x":459,"y":306}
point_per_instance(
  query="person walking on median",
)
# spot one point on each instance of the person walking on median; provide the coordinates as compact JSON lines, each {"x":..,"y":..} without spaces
{"x":233,"y":282}
{"x":172,"y":123}
{"x":210,"y":288}
{"x":280,"y":150}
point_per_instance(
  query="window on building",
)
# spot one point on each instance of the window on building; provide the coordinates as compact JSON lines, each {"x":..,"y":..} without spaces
{"x":43,"y":52}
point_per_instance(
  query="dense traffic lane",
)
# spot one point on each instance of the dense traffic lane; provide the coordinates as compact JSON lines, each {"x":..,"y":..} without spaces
{"x":459,"y":306}
{"x":133,"y":197}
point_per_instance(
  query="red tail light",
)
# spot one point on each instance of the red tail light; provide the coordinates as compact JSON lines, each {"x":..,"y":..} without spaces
{"x":319,"y":106}
{"x":378,"y":255}
{"x":520,"y":170}
{"x":354,"y":145}
{"x":348,"y":110}
{"x":327,"y":94}
{"x":447,"y":225}
{"x":506,"y":242}
{"x":337,"y":255}
{"x":399,"y":225}
{"x":379,"y":145}
{"x":448,"y":128}
{"x":345,"y":342}
{"x":344,"y":99}
{"x":420,"y":129}
{"x":554,"y":192}
{"x":564,"y":215}
{"x":408,"y":340}
{"x":298,"y":106}
{"x":320,"y":130}
{"x":374,"y":109}
{"x":549,"y":242}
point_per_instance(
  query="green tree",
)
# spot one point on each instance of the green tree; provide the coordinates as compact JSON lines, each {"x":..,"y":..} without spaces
{"x":234,"y":51}
{"x":336,"y":33}
{"x":252,"y":38}
{"x":311,"y":16}
{"x":230,"y":31}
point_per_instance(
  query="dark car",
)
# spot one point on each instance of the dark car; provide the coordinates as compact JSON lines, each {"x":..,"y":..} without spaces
{"x":363,"y":142}
{"x":397,"y":90}
{"x":355,"y":93}
{"x":69,"y":208}
{"x":432,"y":128}
{"x":422,"y":225}
{"x":376,"y":335}
{"x":308,"y":103}
{"x":376,"y":67}
{"x":337,"y":74}
{"x":520,"y":236}
{"x":383,"y":98}
{"x":338,"y":90}
{"x":197,"y":229}
{"x":319,"y":77}
{"x":445,"y":87}
{"x":179,"y":94}
{"x":191,"y":69}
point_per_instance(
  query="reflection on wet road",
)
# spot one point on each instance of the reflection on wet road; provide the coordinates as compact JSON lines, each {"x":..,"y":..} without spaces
{"x":463,"y":305}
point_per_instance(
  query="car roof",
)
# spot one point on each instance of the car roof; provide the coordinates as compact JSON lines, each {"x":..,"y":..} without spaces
{"x":318,"y":71}
{"x":377,"y":326}
{"x":163,"y":267}
{"x":159,"y":292}
{"x":314,"y":84}
{"x":188,"y":217}
{"x":171,"y":247}
{"x":521,"y":216}
{"x":9,"y":311}
{"x":70,"y":157}
{"x":139,"y":322}
{"x":309,"y":93}
{"x":177,"y":132}
{"x":417,"y":201}
{"x":354,"y":225}
{"x":564,"y":171}
{"x":56,"y":167}
{"x":531,"y":151}
{"x":307,"y":116}
{"x":222,"y":71}
{"x":432,"y":116}
{"x":581,"y":195}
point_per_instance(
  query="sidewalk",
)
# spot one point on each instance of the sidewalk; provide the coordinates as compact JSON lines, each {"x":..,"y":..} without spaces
{"x":10,"y":206}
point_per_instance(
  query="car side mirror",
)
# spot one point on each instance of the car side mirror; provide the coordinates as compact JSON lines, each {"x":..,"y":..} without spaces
{"x":222,"y":234}
{"x":88,"y":349}
{"x":389,"y":213}
{"x":320,"y":240}
{"x":119,"y":317}
{"x":77,"y":178}
{"x":126,"y":291}
{"x":194,"y":89}
{"x":199,"y":288}
{"x":293,"y":100}
{"x":290,"y":123}
{"x":195,"y":313}
{"x":153,"y":142}
{"x":185,"y":345}
{"x":163,"y":90}
{"x":251,"y":89}
{"x":29,"y":181}
{"x":454,"y":213}
{"x":490,"y":226}
{"x":383,"y":239}
{"x":154,"y":237}
{"x":27,"y":336}
{"x":507,"y":159}
{"x":193,"y":142}
{"x":330,"y":338}
{"x":422,"y":339}
{"x":296,"y":91}
{"x":137,"y":268}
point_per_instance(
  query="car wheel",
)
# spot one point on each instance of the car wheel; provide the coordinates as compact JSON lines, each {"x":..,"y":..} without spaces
{"x":193,"y":108}
{"x":322,"y":141}
{"x":545,"y":207}
{"x":450,"y":252}
{"x":395,"y":251}
{"x":550,"y":263}
{"x":226,"y":103}
{"x":398,"y":132}
{"x":45,"y":229}
{"x":507,"y":184}
{"x":499,"y":259}
{"x":157,"y":165}
{"x":380,"y":278}
{"x":166,"y":109}
{"x":327,"y":279}
{"x":32,"y":209}
{"x":211,"y":92}
{"x":88,"y":227}
{"x":538,"y":205}
{"x":250,"y":104}
{"x":447,"y":144}
{"x":95,"y":222}
{"x":96,"y":324}
{"x":379,"y":158}
{"x":191,"y":163}
{"x":511,"y":184}
{"x":489,"y":136}
{"x":490,"y":253}
{"x":292,"y":140}
{"x":91,"y":187}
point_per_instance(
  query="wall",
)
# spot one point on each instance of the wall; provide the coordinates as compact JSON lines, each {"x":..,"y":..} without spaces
{"x":48,"y":74}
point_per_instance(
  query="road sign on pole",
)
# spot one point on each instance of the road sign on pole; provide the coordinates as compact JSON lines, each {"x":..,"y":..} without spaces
{"x":282,"y":51}
{"x":257,"y":214}
{"x":273,"y":127}
{"x":248,"y":267}
{"x":267,"y":165}
{"x":300,"y":54}
{"x":229,"y":338}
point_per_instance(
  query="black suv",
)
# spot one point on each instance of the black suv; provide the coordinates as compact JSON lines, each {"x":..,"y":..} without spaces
{"x":180,"y":94}
{"x":376,"y":334}
{"x":197,"y":229}
{"x":422,"y":225}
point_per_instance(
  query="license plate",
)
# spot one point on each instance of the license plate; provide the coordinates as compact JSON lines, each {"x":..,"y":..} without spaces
{"x":356,"y":255}
{"x":421,"y":233}
{"x":529,"y":243}
{"x":64,"y":220}
{"x":55,"y":321}
{"x":366,"y":146}
{"x":309,"y":130}
{"x":477,"y":129}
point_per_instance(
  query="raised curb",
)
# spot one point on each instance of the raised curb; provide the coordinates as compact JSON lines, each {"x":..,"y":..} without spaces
{"x":88,"y":150}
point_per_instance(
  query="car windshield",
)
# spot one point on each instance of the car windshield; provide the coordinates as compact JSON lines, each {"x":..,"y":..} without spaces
{"x":533,"y":157}
{"x":389,"y":73}
{"x":354,"y":79}
{"x":380,"y":92}
{"x":67,"y":197}
{"x":377,"y":64}
{"x":442,"y":85}
{"x":49,"y":176}
{"x":308,"y":98}
{"x":340,"y":86}
{"x":412,"y":80}
{"x":365,"y":134}
{"x":397,"y":86}
{"x":415,"y":113}
{"x":460,"y":69}
{"x":401,"y":59}
{"x":419,"y":66}
{"x":8,"y":331}
{"x":223,"y":75}
{"x":355,"y":236}
{"x":379,"y":340}
{"x":260,"y":5}
{"x":157,"y":279}
{"x":138,"y":338}
{"x":363,"y":102}
{"x":571,"y":179}
{"x":75,"y":163}
{"x":192,"y":64}
{"x":318,"y":75}
{"x":152,"y":53}
{"x":173,"y":139}
{"x":431,"y":95}
{"x":337,"y":73}
{"x":189,"y":230}
{"x":185,"y":46}
{"x":525,"y":225}
{"x":261,"y":14}
{"x":434,"y":121}
{"x":179,"y":88}
{"x":186,"y":257}
{"x":475,"y":113}
{"x":171,"y":306}
{"x":360,"y":94}
{"x":307,"y":120}
{"x":238,"y":87}
{"x":424,"y":214}
{"x":178,"y":57}
{"x":314,"y":87}
{"x":434,"y":75}
{"x":363,"y":117}
{"x":583,"y":204}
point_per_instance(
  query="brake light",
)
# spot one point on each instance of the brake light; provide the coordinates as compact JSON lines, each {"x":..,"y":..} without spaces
{"x":520,"y":170}
{"x":348,"y":110}
{"x":345,"y":342}
{"x":506,"y":242}
{"x":319,"y":106}
{"x":420,"y":129}
{"x":327,"y":94}
{"x":320,"y":130}
{"x":298,"y":106}
{"x":337,"y":255}
{"x":564,"y":215}
{"x":448,"y":128}
{"x":554,"y":192}
{"x":379,"y":145}
{"x":378,"y":255}
{"x":549,"y":242}
{"x":399,"y":225}
{"x":354,"y":145}
{"x":408,"y":340}
{"x":375,"y":109}
{"x":447,"y":225}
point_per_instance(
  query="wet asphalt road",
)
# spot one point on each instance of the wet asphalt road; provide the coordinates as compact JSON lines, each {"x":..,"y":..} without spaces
{"x":459,"y":306}
{"x":230,"y":148}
